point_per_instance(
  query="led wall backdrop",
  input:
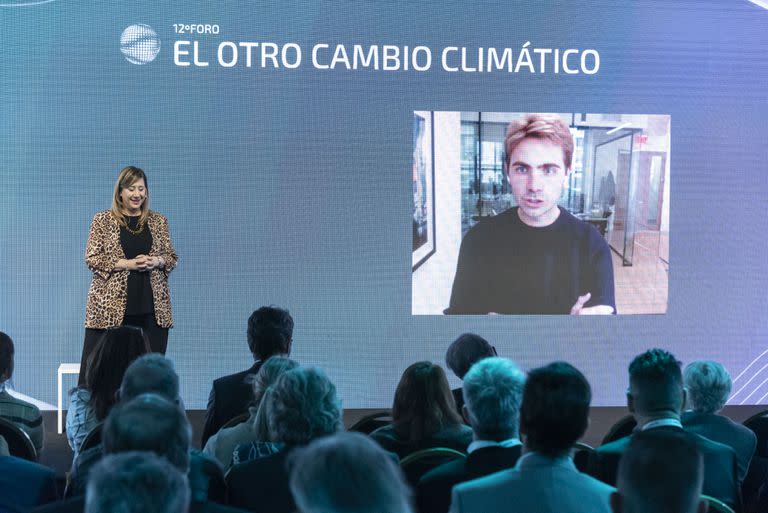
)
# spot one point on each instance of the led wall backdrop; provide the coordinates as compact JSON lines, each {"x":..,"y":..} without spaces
{"x":299,"y":151}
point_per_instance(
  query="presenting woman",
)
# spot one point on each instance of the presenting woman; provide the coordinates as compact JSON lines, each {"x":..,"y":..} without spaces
{"x":130,"y":253}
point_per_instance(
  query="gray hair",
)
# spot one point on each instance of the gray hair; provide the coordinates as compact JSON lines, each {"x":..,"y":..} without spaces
{"x":303,"y":406}
{"x":347,"y":473}
{"x":270,"y":370}
{"x":467,"y":349}
{"x":136,"y":482}
{"x":493,"y":392}
{"x":149,"y":422}
{"x":150,"y":373}
{"x":261,"y":419}
{"x":709,"y":385}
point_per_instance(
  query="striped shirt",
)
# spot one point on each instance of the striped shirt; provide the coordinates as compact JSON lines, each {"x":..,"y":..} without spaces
{"x":25,"y":415}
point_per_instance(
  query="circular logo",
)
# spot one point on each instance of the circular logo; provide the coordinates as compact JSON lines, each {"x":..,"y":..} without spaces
{"x":140,"y":44}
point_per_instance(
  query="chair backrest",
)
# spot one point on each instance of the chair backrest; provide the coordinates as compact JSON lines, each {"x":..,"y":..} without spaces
{"x":93,"y":438}
{"x":758,"y":423}
{"x":206,"y":479}
{"x":234,"y":421}
{"x":583,"y":456}
{"x":419,"y":463}
{"x":622,"y":428}
{"x":371,"y":422}
{"x":19,"y":443}
{"x":717,"y":506}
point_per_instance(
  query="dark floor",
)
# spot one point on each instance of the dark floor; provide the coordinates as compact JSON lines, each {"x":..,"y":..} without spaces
{"x":58,"y":455}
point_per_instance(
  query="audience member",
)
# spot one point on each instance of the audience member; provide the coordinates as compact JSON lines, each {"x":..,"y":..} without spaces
{"x":270,"y":333}
{"x":155,"y":424}
{"x":90,"y":404}
{"x":709,"y":386}
{"x":222,"y":444}
{"x":655,"y":398}
{"x":25,"y":485}
{"x":493,"y":391}
{"x":423,"y":414}
{"x":660,"y":472}
{"x":302,"y":407}
{"x":263,"y":446}
{"x":137,"y":482}
{"x":463,"y":352}
{"x":149,"y":374}
{"x":25,"y":415}
{"x":347,"y":473}
{"x":553,"y":416}
{"x":154,"y":374}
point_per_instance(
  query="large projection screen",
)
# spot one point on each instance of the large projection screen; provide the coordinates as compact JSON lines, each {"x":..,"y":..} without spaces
{"x":288,"y":170}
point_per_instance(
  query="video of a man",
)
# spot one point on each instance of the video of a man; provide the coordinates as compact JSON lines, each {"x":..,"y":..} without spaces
{"x":540,"y":214}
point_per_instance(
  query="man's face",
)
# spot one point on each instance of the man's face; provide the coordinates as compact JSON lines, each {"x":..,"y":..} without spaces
{"x":537,"y":175}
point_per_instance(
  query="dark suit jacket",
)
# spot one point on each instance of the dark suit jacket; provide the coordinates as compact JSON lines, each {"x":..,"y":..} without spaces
{"x":77,"y":505}
{"x":261,"y":485}
{"x":230,"y":396}
{"x":24,"y":484}
{"x":433,"y":493}
{"x":720,"y":466}
{"x":725,"y":431}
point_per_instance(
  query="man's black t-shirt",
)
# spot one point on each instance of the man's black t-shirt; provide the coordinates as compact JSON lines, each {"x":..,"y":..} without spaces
{"x":508,"y":267}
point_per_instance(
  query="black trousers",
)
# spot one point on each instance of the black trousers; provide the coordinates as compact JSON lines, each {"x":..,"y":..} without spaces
{"x":158,"y":338}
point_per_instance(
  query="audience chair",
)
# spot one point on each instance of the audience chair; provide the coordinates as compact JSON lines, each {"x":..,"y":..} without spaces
{"x":622,"y":428}
{"x":19,"y":443}
{"x":583,"y":456}
{"x":716,"y":506}
{"x":372,"y":422}
{"x":93,"y":438}
{"x":234,"y":421}
{"x":758,"y":423}
{"x":419,"y":463}
{"x":756,"y":482}
{"x":207,"y":480}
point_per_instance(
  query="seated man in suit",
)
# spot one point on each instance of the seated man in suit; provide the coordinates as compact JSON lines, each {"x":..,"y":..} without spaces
{"x":303,"y":406}
{"x":347,"y":473}
{"x":661,"y":471}
{"x":553,"y":416}
{"x":270,"y":333}
{"x":655,"y":398}
{"x":493,"y":391}
{"x":462,"y":354}
{"x":137,"y":482}
{"x":709,"y":386}
{"x":23,"y":414}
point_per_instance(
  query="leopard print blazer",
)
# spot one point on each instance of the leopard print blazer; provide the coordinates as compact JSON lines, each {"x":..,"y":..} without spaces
{"x":107,"y":295}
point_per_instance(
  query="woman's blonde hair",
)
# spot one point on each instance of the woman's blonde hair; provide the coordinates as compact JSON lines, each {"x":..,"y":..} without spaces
{"x":127,"y":177}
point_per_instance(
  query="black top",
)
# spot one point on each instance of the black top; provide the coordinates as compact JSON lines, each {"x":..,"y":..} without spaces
{"x":139,"y":301}
{"x":508,"y":267}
